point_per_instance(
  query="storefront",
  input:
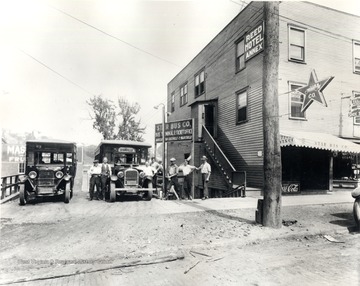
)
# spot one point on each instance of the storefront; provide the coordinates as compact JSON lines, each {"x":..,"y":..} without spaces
{"x":318,"y":161}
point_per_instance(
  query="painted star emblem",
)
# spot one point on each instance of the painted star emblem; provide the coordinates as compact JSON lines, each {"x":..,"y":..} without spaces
{"x":313,"y":91}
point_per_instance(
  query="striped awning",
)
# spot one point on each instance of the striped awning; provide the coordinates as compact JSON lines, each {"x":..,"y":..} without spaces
{"x":318,"y":141}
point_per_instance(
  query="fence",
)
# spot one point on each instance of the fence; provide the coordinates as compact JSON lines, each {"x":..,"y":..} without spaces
{"x":9,"y":185}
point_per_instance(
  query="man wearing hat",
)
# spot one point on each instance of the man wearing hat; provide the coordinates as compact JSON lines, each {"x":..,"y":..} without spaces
{"x":95,"y":180}
{"x":173,"y":171}
{"x":205,"y":170}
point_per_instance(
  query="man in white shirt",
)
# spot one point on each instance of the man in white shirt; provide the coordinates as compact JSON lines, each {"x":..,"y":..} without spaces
{"x":205,"y":170}
{"x":187,"y":170}
{"x":95,"y":173}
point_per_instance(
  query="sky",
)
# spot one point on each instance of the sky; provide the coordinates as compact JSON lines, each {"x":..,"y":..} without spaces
{"x":55,"y":55}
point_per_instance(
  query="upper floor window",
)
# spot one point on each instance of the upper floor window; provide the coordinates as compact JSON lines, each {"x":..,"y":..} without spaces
{"x":173,"y":102}
{"x":296,"y":101}
{"x":183,"y":94}
{"x":199,"y":83}
{"x":241,"y":106}
{"x":240,"y":55}
{"x":356,"y":56}
{"x":356,"y":94}
{"x":296,"y":44}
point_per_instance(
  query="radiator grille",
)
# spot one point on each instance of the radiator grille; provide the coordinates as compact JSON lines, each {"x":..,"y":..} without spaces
{"x":131,"y":178}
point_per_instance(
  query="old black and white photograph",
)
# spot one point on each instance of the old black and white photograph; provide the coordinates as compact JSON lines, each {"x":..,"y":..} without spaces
{"x":179,"y":142}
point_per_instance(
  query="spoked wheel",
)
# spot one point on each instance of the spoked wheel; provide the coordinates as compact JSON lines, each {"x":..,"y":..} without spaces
{"x":23,"y":197}
{"x":67,"y":195}
{"x":149,"y":194}
{"x":112,"y":193}
{"x":356,"y":210}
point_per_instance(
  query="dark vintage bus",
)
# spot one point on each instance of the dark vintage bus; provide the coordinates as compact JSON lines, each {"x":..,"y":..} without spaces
{"x":127,"y":160}
{"x":50,"y":170}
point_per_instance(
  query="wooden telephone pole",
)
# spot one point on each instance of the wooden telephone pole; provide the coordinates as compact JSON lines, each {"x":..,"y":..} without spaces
{"x":272,"y":152}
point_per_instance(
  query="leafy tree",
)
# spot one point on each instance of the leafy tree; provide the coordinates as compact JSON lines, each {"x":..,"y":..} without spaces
{"x":104,"y":116}
{"x":116,"y":122}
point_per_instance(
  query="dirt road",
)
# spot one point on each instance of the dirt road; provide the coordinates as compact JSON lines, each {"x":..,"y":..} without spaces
{"x":83,"y":243}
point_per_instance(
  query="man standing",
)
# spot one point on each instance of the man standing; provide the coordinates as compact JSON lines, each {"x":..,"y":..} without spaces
{"x":205,"y":170}
{"x":105,"y":176}
{"x":187,"y":170}
{"x":95,"y":172}
{"x":173,"y":176}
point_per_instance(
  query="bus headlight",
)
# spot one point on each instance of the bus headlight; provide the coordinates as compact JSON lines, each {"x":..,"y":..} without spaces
{"x":32,"y":174}
{"x":142,"y":175}
{"x":59,"y":174}
{"x":120,"y":174}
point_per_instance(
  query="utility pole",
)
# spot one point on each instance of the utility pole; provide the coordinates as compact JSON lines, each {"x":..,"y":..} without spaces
{"x":272,"y":152}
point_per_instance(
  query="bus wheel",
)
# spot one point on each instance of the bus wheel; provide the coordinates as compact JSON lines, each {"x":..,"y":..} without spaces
{"x":112,"y":193}
{"x":149,"y":194}
{"x":67,"y":196}
{"x":23,"y":197}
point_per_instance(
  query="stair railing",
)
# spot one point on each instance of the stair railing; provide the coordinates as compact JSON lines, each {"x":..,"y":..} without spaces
{"x":217,"y":154}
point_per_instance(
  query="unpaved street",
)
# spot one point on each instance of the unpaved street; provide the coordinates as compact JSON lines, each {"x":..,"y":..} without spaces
{"x":85,"y":243}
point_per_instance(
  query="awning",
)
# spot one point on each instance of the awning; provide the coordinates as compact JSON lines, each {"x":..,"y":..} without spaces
{"x":318,"y":141}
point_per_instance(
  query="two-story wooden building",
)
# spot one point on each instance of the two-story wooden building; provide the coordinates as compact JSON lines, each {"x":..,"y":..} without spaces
{"x":319,"y":78}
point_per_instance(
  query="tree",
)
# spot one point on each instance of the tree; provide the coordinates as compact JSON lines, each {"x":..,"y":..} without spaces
{"x":116,"y":122}
{"x":104,"y":116}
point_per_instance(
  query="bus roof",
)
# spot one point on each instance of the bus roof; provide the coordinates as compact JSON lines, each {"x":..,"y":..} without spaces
{"x":124,"y":143}
{"x":50,"y":141}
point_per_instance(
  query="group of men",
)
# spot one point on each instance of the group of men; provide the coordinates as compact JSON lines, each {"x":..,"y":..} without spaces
{"x":187,"y":169}
{"x":100,"y":176}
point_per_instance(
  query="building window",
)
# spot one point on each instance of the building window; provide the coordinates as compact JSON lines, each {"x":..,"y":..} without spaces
{"x":240,"y":55}
{"x":21,"y":168}
{"x":356,"y":56}
{"x":173,"y":102}
{"x":241,"y":106}
{"x":296,"y":102}
{"x":356,"y":94}
{"x":199,"y":83}
{"x":296,"y":44}
{"x":183,"y":94}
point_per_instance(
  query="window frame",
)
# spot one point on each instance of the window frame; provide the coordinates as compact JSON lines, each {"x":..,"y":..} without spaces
{"x":237,"y":63}
{"x":21,"y":168}
{"x":294,"y":27}
{"x":300,"y":84}
{"x":355,"y":43}
{"x":184,"y":95}
{"x":198,"y":74}
{"x":356,"y":94}
{"x":172,"y":102}
{"x":242,"y":91}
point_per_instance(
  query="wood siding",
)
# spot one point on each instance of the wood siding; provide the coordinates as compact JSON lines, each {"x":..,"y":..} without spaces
{"x":328,"y":49}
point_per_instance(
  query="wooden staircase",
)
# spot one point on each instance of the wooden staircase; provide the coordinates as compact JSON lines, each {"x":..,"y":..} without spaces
{"x":224,"y":165}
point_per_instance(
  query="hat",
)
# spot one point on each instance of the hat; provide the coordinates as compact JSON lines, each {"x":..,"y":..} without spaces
{"x":96,"y":161}
{"x":172,"y":160}
{"x":203,"y":158}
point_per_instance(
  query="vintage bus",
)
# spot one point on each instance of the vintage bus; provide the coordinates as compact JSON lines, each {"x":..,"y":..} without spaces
{"x":127,"y":160}
{"x":50,"y":170}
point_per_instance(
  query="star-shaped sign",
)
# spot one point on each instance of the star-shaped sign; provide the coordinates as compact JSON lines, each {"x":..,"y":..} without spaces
{"x":313,"y":91}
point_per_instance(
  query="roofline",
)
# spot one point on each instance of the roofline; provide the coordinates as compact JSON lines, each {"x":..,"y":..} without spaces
{"x":124,"y":142}
{"x":247,"y":6}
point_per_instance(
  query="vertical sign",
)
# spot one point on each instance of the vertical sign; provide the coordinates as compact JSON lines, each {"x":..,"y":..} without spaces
{"x":254,"y":41}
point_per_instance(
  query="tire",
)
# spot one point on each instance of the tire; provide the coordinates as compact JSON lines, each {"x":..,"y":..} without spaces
{"x":23,"y":197}
{"x":356,"y":210}
{"x":67,"y":196}
{"x":71,"y":188}
{"x":112,"y":193}
{"x":149,"y":194}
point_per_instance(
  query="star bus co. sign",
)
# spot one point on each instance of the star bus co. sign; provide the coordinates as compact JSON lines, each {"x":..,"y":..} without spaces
{"x":313,"y":91}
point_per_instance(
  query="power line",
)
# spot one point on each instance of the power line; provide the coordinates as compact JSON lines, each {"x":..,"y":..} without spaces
{"x":114,"y":37}
{"x":57,"y":73}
